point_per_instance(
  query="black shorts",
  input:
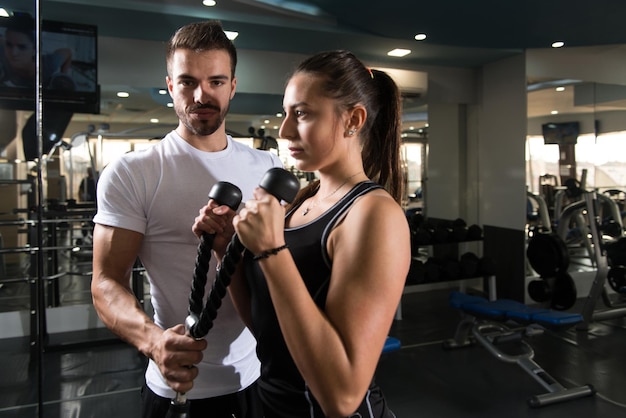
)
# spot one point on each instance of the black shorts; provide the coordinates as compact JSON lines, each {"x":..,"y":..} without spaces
{"x":243,"y":404}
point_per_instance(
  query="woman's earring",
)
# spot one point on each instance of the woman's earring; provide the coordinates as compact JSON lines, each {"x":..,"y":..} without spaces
{"x":351,"y":132}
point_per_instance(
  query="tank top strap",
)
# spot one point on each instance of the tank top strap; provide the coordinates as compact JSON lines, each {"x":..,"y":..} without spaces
{"x":341,"y":209}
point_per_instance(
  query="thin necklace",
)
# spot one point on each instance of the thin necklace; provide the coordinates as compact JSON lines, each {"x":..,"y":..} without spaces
{"x":314,"y":204}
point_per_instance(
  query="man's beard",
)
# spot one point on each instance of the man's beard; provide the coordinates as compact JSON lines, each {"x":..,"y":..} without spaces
{"x":202,"y":127}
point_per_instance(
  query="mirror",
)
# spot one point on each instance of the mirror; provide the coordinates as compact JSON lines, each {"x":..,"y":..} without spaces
{"x":576,"y":140}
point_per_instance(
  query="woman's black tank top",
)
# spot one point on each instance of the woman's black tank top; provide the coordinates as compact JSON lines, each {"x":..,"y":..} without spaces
{"x":282,"y":389}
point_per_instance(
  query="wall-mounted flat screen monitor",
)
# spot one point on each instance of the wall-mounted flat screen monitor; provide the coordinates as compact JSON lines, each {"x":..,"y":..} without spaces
{"x":560,"y":133}
{"x":68,"y":65}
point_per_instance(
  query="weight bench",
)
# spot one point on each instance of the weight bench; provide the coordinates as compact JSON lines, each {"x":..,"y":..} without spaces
{"x":391,"y":344}
{"x":486,"y":321}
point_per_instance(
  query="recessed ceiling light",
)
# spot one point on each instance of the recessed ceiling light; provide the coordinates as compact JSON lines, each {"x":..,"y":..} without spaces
{"x":420,"y":36}
{"x":122,"y":94}
{"x":266,"y":121}
{"x":154,"y":120}
{"x":162,"y":91}
{"x":399,"y":52}
{"x":279,"y":115}
{"x":560,"y":88}
{"x":209,"y":3}
{"x":558,"y":44}
{"x":231,"y":35}
{"x":170,"y":104}
{"x":554,"y":112}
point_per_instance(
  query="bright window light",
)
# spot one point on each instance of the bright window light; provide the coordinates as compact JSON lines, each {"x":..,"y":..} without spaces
{"x":3,"y":12}
{"x":399,"y":52}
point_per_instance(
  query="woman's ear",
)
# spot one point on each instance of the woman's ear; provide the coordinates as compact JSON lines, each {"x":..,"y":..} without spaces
{"x":356,"y":120}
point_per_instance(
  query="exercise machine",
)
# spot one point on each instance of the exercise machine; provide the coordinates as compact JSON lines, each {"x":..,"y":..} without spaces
{"x":487,"y":322}
{"x":603,"y":271}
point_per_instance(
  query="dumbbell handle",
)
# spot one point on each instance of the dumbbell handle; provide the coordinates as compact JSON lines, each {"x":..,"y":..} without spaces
{"x":223,"y":193}
{"x":283,"y":185}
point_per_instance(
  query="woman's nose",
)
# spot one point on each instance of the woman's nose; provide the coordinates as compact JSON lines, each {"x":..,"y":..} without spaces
{"x":286,"y":129}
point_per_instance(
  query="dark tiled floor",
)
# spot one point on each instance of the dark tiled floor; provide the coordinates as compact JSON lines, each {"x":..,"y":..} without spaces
{"x":96,"y":376}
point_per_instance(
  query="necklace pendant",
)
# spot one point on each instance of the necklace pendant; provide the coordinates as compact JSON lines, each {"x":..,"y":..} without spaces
{"x":305,"y":211}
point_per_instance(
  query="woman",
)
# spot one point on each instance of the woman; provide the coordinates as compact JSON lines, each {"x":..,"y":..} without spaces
{"x":321,"y":280}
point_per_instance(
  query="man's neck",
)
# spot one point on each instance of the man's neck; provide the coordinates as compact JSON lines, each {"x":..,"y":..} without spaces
{"x":211,"y":143}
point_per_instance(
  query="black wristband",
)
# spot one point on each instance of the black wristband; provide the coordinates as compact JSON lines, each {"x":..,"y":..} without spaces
{"x":267,"y":253}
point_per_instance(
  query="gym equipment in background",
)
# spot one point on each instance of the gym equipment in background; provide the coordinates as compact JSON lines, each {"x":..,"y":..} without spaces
{"x":605,"y":252}
{"x":485,"y":321}
{"x":548,"y":256}
{"x":281,"y":184}
{"x":539,"y":218}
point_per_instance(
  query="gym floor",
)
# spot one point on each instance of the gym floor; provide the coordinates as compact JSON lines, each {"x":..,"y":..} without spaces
{"x":92,"y":374}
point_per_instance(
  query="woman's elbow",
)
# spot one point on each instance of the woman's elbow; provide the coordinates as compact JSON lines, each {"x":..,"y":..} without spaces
{"x":341,"y":405}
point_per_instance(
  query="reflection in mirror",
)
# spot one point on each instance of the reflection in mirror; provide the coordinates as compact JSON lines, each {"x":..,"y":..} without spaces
{"x":579,"y":146}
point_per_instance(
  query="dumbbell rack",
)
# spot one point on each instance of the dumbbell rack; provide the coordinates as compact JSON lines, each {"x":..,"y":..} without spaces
{"x":450,"y":250}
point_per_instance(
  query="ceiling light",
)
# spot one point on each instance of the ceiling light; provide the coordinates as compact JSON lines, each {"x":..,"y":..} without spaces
{"x":420,"y":36}
{"x":170,"y":104}
{"x":209,"y":3}
{"x":560,"y":88}
{"x":558,"y":44}
{"x":3,"y":12}
{"x":266,"y":121}
{"x":122,"y":94}
{"x":279,"y":115}
{"x":399,"y":52}
{"x":162,"y":91}
{"x":554,"y":112}
{"x":231,"y":35}
{"x":154,"y":120}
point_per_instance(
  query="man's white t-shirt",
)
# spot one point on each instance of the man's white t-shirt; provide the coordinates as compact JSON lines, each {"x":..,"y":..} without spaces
{"x":158,"y":192}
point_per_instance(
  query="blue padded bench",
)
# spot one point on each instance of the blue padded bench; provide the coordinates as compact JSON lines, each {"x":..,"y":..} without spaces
{"x":485,"y":320}
{"x":506,"y":309}
{"x":391,"y":344}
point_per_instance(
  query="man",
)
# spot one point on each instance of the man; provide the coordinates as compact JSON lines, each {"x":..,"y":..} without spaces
{"x":147,"y":202}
